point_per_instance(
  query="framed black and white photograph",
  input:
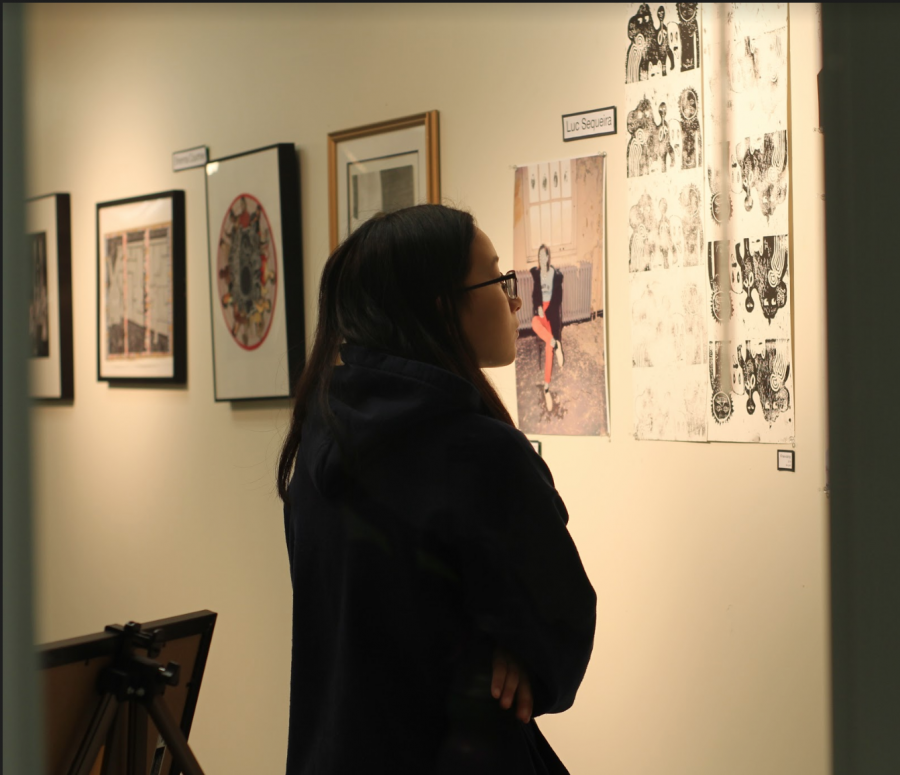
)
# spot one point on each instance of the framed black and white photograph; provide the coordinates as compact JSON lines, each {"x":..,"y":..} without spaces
{"x":256,"y":273}
{"x":141,"y":299}
{"x":381,"y":168}
{"x":49,"y":248}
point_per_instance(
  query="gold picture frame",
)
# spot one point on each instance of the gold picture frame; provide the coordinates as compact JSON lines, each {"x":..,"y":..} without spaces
{"x":381,"y":167}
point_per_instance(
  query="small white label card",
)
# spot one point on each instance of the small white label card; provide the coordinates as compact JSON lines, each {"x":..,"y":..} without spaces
{"x":192,"y":157}
{"x":589,"y":123}
{"x":785,"y":460}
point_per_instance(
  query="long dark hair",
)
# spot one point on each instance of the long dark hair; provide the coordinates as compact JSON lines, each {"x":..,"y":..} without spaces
{"x":392,"y":286}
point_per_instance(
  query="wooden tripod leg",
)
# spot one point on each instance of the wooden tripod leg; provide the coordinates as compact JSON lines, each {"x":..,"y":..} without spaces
{"x":96,"y":735}
{"x":175,"y":740}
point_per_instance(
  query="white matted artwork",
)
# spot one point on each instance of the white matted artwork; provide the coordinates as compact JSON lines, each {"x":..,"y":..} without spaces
{"x":49,"y":245}
{"x":141,"y":303}
{"x":256,"y":273}
{"x":381,"y":167}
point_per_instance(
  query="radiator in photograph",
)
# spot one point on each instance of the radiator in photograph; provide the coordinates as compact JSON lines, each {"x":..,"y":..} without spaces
{"x":576,"y":291}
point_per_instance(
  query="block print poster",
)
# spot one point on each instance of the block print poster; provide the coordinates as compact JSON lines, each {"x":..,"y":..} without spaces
{"x":559,"y":244}
{"x":246,"y":269}
{"x":749,"y":258}
{"x":663,"y":41}
{"x":666,"y":226}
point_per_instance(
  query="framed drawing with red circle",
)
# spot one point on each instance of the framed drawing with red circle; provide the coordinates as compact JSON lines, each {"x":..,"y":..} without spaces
{"x":255,"y":273}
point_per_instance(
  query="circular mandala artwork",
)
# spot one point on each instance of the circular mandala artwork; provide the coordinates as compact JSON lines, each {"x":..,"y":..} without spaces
{"x":722,"y":407}
{"x":246,"y":264}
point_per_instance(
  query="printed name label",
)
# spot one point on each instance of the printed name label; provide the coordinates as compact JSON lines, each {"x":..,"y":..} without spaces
{"x":590,"y":123}
{"x":192,"y":157}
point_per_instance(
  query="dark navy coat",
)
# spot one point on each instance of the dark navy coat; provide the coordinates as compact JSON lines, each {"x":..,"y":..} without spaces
{"x":429,"y":535}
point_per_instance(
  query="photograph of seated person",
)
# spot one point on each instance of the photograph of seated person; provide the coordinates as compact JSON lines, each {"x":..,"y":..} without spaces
{"x":546,"y":321}
{"x":439,"y":602}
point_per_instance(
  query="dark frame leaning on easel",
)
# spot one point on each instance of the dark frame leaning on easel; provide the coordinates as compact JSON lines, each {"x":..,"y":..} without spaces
{"x":73,"y":671}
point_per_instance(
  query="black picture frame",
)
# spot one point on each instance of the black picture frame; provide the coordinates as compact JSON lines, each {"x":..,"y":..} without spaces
{"x":52,"y":362}
{"x":256,"y":285}
{"x":154,"y":349}
{"x":71,"y":671}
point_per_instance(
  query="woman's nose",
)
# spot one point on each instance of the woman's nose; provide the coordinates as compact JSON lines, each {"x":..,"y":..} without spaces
{"x":516,"y":303}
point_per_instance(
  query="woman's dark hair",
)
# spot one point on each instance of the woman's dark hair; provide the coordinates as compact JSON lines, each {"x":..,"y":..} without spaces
{"x":543,"y":247}
{"x":392,"y":286}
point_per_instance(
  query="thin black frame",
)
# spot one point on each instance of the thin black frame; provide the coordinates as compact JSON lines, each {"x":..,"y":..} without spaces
{"x":511,"y":274}
{"x":64,"y":289}
{"x":615,"y":129}
{"x":179,"y":291}
{"x":291,"y":245}
{"x":105,"y":644}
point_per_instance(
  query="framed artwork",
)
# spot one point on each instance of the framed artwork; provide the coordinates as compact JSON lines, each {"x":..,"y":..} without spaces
{"x":141,"y":299}
{"x":49,"y":246}
{"x":381,"y":168}
{"x":256,"y":273}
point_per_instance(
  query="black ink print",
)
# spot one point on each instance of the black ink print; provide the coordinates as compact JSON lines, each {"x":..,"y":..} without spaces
{"x":719,"y":298}
{"x":766,"y":374}
{"x":640,"y":32}
{"x":720,"y":206}
{"x":650,"y":149}
{"x":692,"y":224}
{"x":664,"y":149}
{"x":690,"y":35}
{"x":762,"y":166}
{"x":689,"y":107}
{"x":555,"y":180}
{"x":764,"y":264}
{"x":664,"y":234}
{"x":657,"y":50}
{"x":642,"y":244}
{"x":721,"y":405}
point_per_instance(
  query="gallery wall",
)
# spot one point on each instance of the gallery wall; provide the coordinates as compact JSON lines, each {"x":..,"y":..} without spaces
{"x":709,"y":564}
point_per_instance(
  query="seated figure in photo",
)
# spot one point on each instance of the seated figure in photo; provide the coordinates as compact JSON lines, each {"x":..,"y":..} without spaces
{"x":546,"y":321}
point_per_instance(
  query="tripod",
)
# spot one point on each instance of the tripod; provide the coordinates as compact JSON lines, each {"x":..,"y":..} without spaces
{"x":130,"y":689}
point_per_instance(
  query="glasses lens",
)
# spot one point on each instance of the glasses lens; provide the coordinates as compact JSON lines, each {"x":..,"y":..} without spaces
{"x":511,"y":285}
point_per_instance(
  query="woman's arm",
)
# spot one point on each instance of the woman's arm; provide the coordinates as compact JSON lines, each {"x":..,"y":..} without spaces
{"x":523,"y":581}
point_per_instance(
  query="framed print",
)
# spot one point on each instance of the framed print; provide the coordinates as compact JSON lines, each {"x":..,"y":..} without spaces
{"x":49,"y":245}
{"x":381,"y":168}
{"x":141,"y":300}
{"x":255,"y":273}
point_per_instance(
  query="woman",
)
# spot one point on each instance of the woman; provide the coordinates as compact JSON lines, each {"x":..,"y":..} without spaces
{"x":439,"y":602}
{"x":546,"y":321}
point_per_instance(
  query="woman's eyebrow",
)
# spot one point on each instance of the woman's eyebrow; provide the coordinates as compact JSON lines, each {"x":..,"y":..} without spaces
{"x":496,"y":259}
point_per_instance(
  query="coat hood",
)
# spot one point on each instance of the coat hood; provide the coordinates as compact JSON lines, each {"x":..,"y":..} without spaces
{"x":375,"y":398}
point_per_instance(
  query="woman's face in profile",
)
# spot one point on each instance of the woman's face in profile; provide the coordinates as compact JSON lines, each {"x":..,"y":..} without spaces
{"x":488,"y":315}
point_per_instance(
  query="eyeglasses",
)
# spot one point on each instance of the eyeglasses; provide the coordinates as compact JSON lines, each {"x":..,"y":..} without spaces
{"x":509,"y":281}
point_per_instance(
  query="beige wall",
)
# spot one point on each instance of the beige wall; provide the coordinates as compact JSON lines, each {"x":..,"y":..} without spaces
{"x":710,"y":567}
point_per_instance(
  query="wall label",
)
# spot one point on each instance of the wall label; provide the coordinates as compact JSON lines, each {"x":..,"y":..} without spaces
{"x":785,"y":460}
{"x":590,"y":123}
{"x":192,"y":157}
